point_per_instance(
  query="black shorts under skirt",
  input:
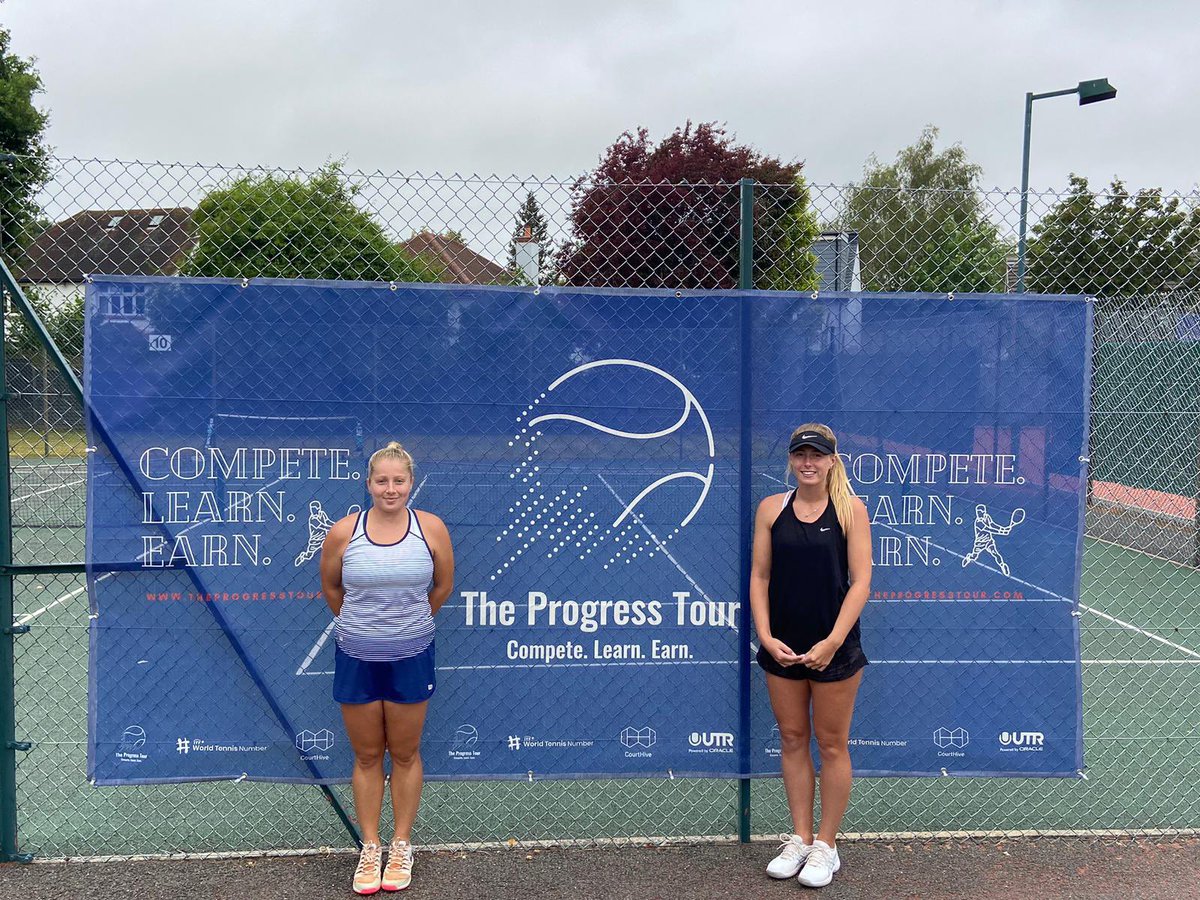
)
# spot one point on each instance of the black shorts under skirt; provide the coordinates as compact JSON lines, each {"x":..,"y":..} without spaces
{"x":848,"y":660}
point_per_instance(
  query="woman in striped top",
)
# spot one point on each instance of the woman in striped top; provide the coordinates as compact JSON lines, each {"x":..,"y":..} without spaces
{"x":385,"y":572}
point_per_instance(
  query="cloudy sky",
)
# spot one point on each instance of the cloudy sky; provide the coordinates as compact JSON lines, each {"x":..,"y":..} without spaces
{"x":542,"y":88}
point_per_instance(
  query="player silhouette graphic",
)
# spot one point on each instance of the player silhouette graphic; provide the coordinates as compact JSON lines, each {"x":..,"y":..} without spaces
{"x":319,"y":524}
{"x":986,"y":530}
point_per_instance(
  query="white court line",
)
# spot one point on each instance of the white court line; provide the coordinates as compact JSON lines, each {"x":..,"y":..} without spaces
{"x":580,"y":665}
{"x":1034,"y":662}
{"x":1131,"y":627}
{"x":413,"y":496}
{"x":882,"y":662}
{"x":29,"y":617}
{"x":316,"y":648}
{"x":56,"y":487}
{"x":1095,"y":612}
{"x":660,"y":545}
{"x":973,"y":662}
{"x":1141,"y":662}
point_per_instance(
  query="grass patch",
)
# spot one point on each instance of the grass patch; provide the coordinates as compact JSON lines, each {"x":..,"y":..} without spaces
{"x":30,"y":443}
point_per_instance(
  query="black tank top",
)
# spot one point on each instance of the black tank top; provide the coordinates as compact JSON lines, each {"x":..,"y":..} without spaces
{"x":810,"y":575}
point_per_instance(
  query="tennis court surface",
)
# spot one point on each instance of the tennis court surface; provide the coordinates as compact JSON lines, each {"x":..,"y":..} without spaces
{"x":1139,"y":666}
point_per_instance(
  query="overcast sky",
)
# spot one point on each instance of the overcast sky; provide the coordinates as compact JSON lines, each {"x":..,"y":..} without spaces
{"x":542,"y":88}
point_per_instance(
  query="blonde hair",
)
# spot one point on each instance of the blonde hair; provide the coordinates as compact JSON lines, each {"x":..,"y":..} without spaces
{"x":837,"y":483}
{"x":394,"y":451}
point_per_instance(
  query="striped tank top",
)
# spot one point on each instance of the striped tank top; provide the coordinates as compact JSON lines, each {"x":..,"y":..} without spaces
{"x":385,"y":614}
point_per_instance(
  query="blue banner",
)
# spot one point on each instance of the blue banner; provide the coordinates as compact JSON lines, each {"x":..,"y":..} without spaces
{"x":585,"y":451}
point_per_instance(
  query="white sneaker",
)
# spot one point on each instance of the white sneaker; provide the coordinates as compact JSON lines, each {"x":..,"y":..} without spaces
{"x":397,"y":876}
{"x":823,"y":861}
{"x":367,"y":876}
{"x":792,"y":855}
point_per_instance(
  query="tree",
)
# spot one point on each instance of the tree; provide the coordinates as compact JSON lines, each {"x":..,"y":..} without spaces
{"x":282,"y":227}
{"x":669,"y":216}
{"x":1118,"y":244}
{"x":24,"y":158}
{"x":63,"y":322}
{"x":530,"y":216}
{"x":921,"y":223}
{"x":31,"y":373}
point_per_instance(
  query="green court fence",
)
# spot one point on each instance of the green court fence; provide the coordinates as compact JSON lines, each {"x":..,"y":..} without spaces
{"x":1137,"y":254}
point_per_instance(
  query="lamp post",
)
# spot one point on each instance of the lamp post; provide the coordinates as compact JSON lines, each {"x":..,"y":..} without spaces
{"x":1094,"y":91}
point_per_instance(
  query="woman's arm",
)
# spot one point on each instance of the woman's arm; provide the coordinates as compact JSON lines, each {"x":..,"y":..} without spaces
{"x":760,"y":578}
{"x":437,"y":537}
{"x":858,"y":552}
{"x":331,"y":562}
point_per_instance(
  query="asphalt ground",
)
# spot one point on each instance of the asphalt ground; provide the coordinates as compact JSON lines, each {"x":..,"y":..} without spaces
{"x":1046,"y":868}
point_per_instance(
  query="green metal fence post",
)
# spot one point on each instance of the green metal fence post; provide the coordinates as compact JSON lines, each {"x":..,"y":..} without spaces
{"x":745,"y":283}
{"x":1196,"y":493}
{"x":9,"y":745}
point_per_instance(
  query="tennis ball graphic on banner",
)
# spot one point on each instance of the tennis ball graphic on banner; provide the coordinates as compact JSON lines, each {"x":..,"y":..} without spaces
{"x":617,"y":453}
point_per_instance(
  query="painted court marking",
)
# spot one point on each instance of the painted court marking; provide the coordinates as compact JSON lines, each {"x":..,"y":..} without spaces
{"x":1142,"y":631}
{"x":51,"y":489}
{"x":29,"y":617}
{"x":1083,"y":607}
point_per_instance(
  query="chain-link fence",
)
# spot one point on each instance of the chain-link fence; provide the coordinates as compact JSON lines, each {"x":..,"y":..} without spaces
{"x":1140,"y":612}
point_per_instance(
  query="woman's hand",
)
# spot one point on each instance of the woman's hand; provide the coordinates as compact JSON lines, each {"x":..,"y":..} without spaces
{"x":821,"y":654}
{"x":780,"y":652}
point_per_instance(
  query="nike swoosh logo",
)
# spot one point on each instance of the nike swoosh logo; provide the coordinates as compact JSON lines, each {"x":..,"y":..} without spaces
{"x":824,"y":529}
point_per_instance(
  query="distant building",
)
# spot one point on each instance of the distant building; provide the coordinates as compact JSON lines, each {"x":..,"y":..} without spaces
{"x":837,"y":260}
{"x":107,"y":242}
{"x":458,"y":263}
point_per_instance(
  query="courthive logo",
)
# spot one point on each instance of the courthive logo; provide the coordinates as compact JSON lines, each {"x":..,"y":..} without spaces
{"x":639,"y":737}
{"x":308,"y":741}
{"x":952,"y":737}
{"x":638,"y":741}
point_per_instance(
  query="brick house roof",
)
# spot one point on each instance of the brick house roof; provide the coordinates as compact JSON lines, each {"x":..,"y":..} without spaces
{"x":460,"y":264}
{"x":109,"y":242}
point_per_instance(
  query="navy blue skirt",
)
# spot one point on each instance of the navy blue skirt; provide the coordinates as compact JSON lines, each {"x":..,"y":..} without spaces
{"x":410,"y":680}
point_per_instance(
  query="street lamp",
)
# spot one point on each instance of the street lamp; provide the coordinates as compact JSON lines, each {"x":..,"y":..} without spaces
{"x":1094,"y":91}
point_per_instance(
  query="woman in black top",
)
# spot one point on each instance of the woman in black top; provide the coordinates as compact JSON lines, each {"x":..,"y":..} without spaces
{"x":809,"y":581}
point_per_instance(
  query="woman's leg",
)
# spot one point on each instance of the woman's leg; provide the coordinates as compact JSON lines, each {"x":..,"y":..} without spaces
{"x":790,"y":701}
{"x":832,"y":710}
{"x":404,"y":724}
{"x":365,"y":728}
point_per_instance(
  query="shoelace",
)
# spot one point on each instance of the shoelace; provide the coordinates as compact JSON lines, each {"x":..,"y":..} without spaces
{"x":820,"y":856}
{"x":400,"y":854}
{"x":789,"y":848}
{"x":368,"y":861}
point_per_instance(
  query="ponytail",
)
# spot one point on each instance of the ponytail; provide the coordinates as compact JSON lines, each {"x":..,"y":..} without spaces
{"x":841,"y":493}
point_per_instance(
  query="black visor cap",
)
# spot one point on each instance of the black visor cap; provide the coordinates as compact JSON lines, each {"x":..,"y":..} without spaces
{"x":813,"y":439}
